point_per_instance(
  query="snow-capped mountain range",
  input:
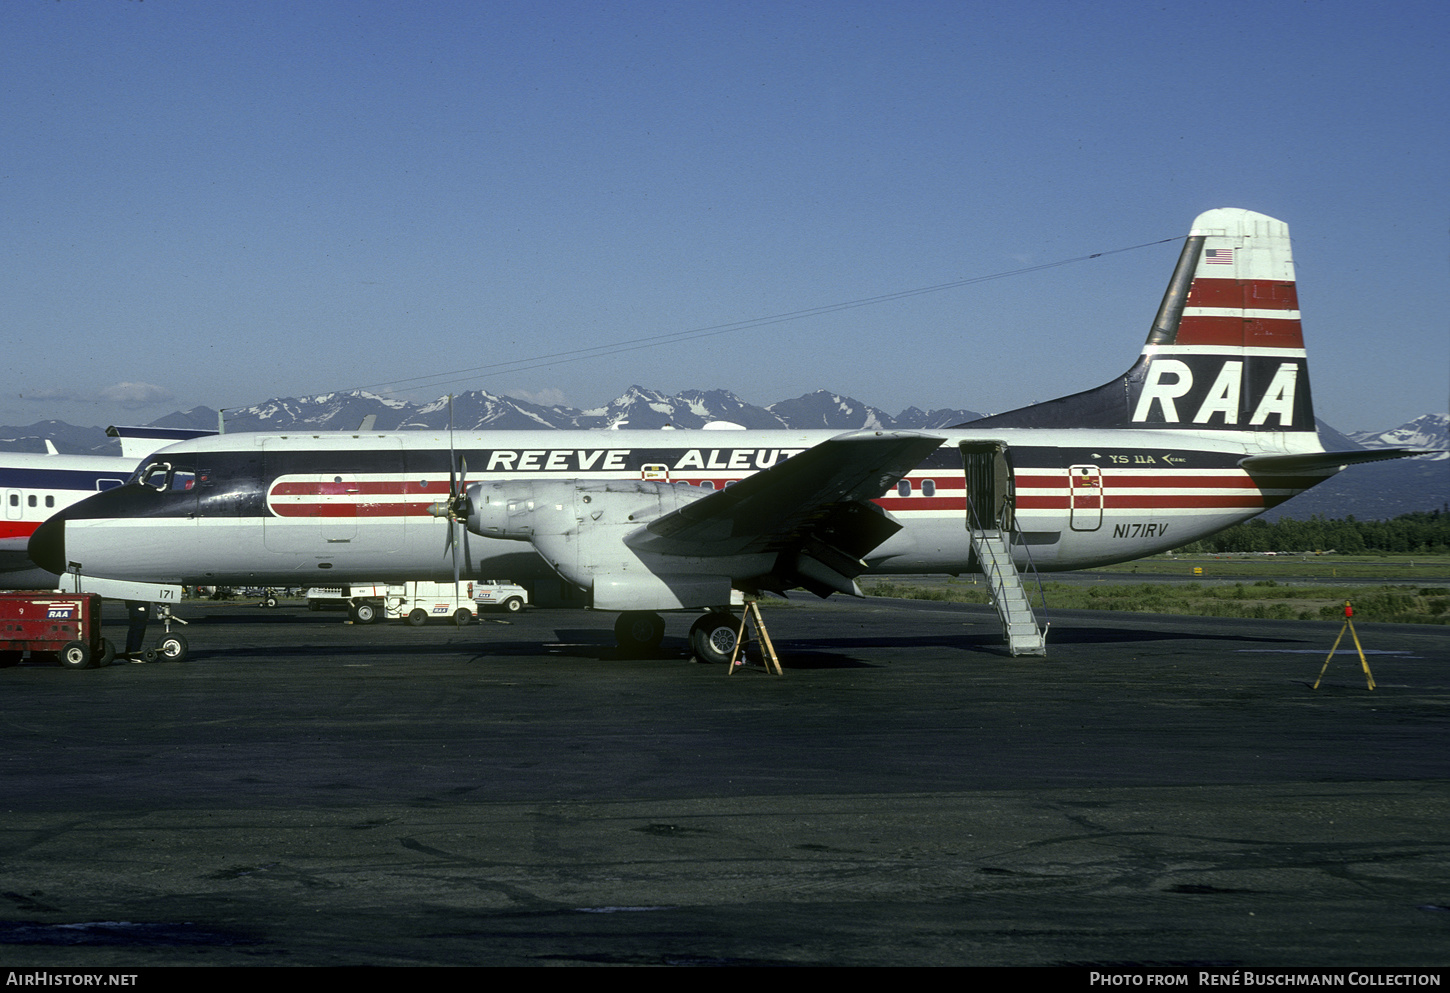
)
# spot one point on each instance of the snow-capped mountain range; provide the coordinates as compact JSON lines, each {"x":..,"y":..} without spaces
{"x":1426,"y":431}
{"x":638,"y":408}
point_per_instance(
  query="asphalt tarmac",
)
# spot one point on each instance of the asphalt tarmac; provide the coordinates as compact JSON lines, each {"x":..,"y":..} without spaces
{"x":1160,"y":791}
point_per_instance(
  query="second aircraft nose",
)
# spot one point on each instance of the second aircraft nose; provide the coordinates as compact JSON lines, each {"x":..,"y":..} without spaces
{"x":47,"y":546}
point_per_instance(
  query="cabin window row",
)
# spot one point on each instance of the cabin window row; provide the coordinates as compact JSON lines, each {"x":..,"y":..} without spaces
{"x":31,"y":500}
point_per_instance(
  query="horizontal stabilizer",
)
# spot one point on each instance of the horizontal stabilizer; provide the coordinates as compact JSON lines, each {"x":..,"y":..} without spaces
{"x":1329,"y":461}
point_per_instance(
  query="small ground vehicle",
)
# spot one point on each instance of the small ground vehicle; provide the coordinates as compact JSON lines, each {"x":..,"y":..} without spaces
{"x":500,"y":593}
{"x":363,"y":602}
{"x":67,"y":624}
{"x":415,"y":602}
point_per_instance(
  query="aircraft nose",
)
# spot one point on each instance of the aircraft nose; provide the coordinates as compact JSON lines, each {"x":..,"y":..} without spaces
{"x":47,"y":546}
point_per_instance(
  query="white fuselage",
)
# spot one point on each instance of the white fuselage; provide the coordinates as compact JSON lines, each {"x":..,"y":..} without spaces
{"x":305,"y":509}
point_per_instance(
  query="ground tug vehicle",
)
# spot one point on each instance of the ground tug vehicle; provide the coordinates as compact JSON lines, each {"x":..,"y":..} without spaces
{"x":68,"y":625}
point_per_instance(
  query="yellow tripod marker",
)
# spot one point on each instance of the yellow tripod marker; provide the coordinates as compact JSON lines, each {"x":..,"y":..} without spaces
{"x":1348,"y":624}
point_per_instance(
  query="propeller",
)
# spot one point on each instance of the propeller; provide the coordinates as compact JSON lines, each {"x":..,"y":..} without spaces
{"x":456,"y":507}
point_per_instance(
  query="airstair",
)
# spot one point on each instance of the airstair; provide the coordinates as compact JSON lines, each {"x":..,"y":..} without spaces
{"x":1004,"y":584}
{"x":991,"y":523}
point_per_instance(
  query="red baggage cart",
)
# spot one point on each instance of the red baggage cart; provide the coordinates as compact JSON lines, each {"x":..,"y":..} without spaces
{"x":68,"y":624}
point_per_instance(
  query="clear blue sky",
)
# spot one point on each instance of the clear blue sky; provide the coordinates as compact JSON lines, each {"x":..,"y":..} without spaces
{"x":222,"y":202}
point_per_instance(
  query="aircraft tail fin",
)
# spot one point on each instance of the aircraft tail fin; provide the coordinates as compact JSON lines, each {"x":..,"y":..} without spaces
{"x":1225,"y":352}
{"x":139,"y":442}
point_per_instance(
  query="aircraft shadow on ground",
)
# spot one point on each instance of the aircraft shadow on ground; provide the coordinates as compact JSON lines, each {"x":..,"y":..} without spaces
{"x":481,"y":641}
{"x":588,"y":645}
{"x":596,"y":644}
{"x":1064,"y":635}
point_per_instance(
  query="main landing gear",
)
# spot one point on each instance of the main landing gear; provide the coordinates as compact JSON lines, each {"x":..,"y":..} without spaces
{"x":639,"y":631}
{"x":712,"y":637}
{"x":722,"y":637}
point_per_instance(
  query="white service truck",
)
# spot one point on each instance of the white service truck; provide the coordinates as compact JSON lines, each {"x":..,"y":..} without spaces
{"x":362,"y":601}
{"x":415,"y":602}
{"x":500,"y":593}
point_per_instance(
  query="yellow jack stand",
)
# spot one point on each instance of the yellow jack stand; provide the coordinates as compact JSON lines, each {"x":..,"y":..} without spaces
{"x":1349,"y":624}
{"x":767,"y":650}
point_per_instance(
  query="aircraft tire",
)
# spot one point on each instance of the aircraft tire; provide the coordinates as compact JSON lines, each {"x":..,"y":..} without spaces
{"x":363,"y":613}
{"x":463,"y":617}
{"x":76,"y":655}
{"x":639,"y":631}
{"x":418,"y":617}
{"x":513,"y":605}
{"x":171,"y":648}
{"x":712,"y":637}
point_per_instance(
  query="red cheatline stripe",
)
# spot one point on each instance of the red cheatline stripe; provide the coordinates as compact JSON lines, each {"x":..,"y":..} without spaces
{"x":1112,"y":480}
{"x":345,"y":510}
{"x":945,"y":479}
{"x":1187,"y":500}
{"x":921,"y":503}
{"x":1237,"y":481}
{"x":1148,"y":501}
{"x":1250,"y":294}
{"x":18,"y":529}
{"x":1124,"y":501}
{"x":1041,"y":502}
{"x":1135,"y":501}
{"x":351,"y":509}
{"x":371,"y":487}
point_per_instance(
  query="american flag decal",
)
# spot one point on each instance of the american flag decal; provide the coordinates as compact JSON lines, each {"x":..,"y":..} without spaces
{"x":1219,"y":256}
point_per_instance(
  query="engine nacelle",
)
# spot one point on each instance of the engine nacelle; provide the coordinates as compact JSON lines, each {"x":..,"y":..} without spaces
{"x":579,"y":528}
{"x":522,"y":510}
{"x":517,"y":510}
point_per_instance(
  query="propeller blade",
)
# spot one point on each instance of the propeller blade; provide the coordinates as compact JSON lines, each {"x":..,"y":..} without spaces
{"x":451,"y":525}
{"x":452,"y":455}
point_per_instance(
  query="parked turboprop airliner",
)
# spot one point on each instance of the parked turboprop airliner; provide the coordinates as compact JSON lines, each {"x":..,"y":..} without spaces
{"x":1212,"y":425}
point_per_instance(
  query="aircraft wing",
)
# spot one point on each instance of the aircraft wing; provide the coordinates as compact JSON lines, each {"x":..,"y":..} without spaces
{"x":821,"y":496}
{"x":1329,"y":461}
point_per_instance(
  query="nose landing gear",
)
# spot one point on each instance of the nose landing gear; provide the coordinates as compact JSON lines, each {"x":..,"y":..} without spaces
{"x":170,"y":647}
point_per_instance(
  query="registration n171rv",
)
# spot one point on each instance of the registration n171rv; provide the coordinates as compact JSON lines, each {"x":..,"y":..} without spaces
{"x":1211,"y":425}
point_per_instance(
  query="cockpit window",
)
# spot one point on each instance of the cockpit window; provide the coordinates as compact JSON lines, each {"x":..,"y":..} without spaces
{"x":165,"y":477}
{"x":150,"y":475}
